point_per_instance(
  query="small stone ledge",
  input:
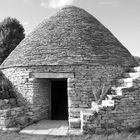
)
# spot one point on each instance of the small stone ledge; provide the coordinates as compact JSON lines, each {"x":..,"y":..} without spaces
{"x":51,"y":75}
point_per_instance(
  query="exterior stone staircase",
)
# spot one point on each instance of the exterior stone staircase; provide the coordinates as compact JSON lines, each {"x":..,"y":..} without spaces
{"x":89,"y":117}
{"x":123,"y":83}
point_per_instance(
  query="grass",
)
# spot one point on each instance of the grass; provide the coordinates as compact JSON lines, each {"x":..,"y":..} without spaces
{"x":118,"y":136}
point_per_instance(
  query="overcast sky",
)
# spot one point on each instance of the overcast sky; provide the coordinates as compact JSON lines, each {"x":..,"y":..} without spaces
{"x":122,"y":17}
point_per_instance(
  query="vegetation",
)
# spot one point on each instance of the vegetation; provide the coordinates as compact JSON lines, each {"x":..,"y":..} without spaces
{"x":100,"y":89}
{"x":117,"y":136}
{"x":6,"y":88}
{"x":11,"y":34}
{"x":101,"y":93}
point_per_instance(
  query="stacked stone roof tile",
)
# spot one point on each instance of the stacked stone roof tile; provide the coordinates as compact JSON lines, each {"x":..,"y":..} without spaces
{"x":72,"y":36}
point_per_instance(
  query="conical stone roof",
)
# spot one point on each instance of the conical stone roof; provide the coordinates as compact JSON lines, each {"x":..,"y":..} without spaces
{"x":71,"y":36}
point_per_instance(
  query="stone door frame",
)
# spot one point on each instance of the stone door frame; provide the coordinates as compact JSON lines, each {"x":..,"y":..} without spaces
{"x":68,"y":76}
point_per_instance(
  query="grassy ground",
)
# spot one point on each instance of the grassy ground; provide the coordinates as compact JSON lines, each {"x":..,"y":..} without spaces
{"x":117,"y":136}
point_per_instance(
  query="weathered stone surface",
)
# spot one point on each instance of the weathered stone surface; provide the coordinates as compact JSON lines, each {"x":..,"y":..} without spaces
{"x":9,"y":117}
{"x":33,"y":95}
{"x":72,"y":41}
{"x":74,"y":123}
{"x":72,"y":36}
{"x":123,"y":116}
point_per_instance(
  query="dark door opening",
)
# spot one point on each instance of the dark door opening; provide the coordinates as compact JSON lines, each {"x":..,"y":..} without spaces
{"x":59,"y":100}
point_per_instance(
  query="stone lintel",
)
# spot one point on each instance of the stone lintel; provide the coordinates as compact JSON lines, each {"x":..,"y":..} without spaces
{"x":51,"y":75}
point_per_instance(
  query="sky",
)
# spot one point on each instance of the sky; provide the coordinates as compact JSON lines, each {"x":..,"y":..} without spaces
{"x":121,"y":17}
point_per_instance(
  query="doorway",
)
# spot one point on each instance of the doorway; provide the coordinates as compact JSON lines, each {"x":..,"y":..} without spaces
{"x":59,"y":99}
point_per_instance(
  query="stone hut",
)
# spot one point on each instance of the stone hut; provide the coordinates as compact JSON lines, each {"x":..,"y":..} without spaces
{"x":66,"y":64}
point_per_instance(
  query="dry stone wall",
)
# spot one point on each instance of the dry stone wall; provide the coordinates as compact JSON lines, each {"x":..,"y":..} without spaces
{"x":32,"y":93}
{"x":12,"y":118}
{"x":123,"y":115}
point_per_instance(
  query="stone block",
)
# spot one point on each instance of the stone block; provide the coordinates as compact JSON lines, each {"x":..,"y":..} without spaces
{"x":30,"y":113}
{"x":73,"y":106}
{"x":74,"y":114}
{"x":88,"y":129}
{"x":83,"y":106}
{"x":74,"y":123}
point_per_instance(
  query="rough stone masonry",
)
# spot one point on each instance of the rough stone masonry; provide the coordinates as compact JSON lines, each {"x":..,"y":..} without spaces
{"x":123,"y":115}
{"x":74,"y":45}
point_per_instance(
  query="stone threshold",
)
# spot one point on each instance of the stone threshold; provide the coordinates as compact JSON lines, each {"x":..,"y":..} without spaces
{"x":51,"y":128}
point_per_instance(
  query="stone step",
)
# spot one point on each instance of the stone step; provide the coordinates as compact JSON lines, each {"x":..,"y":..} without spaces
{"x":74,"y":122}
{"x":75,"y":132}
{"x":107,"y":103}
{"x":132,"y":75}
{"x":127,"y":80}
{"x":125,"y":85}
{"x":110,"y":97}
{"x":135,"y":69}
{"x":124,"y":82}
{"x":114,"y":97}
{"x":117,"y":90}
